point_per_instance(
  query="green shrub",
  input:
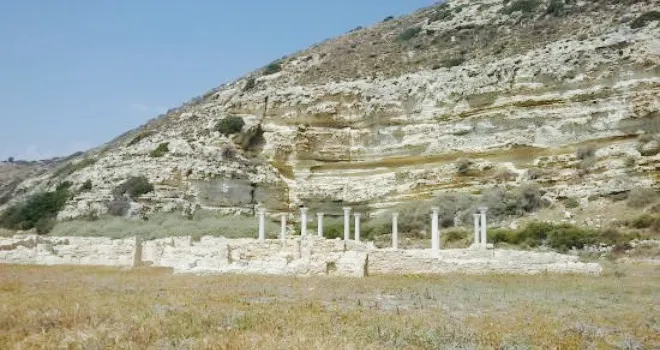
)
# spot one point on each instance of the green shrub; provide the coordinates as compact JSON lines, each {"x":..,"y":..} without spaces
{"x":86,"y":186}
{"x":413,"y":218}
{"x":571,"y":203}
{"x":453,"y":62}
{"x":642,"y":197}
{"x":514,"y":202}
{"x":644,"y":19}
{"x":409,"y":34}
{"x":37,"y":208}
{"x":161,"y":150}
{"x":642,"y":221}
{"x":463,"y":166}
{"x":388,"y":18}
{"x":524,"y":6}
{"x":630,"y":162}
{"x":228,"y":152}
{"x":45,"y":225}
{"x":119,"y":206}
{"x":585,"y":152}
{"x":134,"y":187}
{"x":561,"y":237}
{"x":272,"y":68}
{"x":556,"y":8}
{"x":141,"y":136}
{"x":454,"y":235}
{"x":249,"y":84}
{"x":230,"y":125}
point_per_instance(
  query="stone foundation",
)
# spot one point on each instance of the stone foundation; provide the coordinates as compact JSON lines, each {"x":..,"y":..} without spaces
{"x":307,"y":256}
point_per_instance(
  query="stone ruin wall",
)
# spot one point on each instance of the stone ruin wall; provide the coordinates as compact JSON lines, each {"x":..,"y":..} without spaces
{"x":295,"y":256}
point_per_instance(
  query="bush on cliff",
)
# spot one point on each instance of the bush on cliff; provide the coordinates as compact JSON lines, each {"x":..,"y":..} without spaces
{"x":230,"y":125}
{"x":37,"y":211}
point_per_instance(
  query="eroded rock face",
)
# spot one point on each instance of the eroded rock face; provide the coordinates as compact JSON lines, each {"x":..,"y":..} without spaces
{"x":309,"y":256}
{"x":371,"y":119}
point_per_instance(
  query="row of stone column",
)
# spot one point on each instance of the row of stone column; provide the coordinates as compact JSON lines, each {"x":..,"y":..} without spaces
{"x":480,"y":228}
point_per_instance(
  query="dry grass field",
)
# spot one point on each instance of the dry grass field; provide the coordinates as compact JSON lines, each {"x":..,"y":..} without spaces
{"x":106,"y":308}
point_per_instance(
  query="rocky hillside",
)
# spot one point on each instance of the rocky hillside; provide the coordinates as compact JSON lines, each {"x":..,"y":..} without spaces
{"x":452,"y":98}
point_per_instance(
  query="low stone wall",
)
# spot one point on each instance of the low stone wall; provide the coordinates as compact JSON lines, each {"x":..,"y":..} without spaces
{"x":308,"y":256}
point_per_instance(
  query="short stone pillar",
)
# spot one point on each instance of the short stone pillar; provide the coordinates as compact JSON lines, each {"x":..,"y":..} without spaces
{"x":283,"y":228}
{"x":395,"y":230}
{"x":357,"y":226}
{"x":476,"y":217}
{"x":484,"y":238}
{"x":262,"y":224}
{"x":320,"y":224}
{"x":347,"y":223}
{"x":435,"y":229}
{"x":303,"y":221}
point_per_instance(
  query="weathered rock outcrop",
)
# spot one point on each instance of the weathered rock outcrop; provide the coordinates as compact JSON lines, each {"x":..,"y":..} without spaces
{"x":380,"y":116}
{"x":309,"y":256}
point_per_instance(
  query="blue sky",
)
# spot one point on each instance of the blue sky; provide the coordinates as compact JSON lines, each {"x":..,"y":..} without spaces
{"x":76,"y":73}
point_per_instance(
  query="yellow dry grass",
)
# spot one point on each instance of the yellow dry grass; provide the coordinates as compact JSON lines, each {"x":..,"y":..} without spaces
{"x":105,"y":308}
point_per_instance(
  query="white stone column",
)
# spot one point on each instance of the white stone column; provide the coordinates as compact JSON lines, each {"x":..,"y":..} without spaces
{"x":395,"y":230}
{"x":435,"y":230}
{"x":303,"y":221}
{"x":347,"y":223}
{"x":357,"y":226}
{"x":476,"y":217}
{"x":262,"y":224}
{"x":484,"y":238}
{"x":320,"y":224}
{"x":283,"y":228}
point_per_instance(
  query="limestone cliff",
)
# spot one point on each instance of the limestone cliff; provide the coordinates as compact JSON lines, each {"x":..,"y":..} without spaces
{"x":381,"y":115}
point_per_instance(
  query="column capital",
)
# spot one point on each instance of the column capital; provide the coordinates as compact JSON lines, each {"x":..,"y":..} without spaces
{"x":395,"y":215}
{"x":357,"y":215}
{"x":347,"y":208}
{"x":435,"y":210}
{"x":476,"y":215}
{"x":320,"y":214}
{"x":483,"y":210}
{"x":261,"y":211}
{"x":304,"y":209}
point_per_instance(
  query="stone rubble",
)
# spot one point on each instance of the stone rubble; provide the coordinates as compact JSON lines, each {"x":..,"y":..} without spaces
{"x":306,"y":256}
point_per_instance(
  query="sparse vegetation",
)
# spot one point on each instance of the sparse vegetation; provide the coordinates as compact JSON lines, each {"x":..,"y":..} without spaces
{"x":388,"y":18}
{"x":37,"y":211}
{"x":86,"y":186}
{"x":230,"y":125}
{"x":72,"y":167}
{"x":119,"y":206}
{"x":272,"y":68}
{"x":453,"y":62}
{"x":556,"y":8}
{"x":141,"y":136}
{"x":571,"y":203}
{"x":642,"y":197}
{"x":587,"y":157}
{"x":134,"y":187}
{"x":150,"y":308}
{"x":161,"y":150}
{"x":561,"y":237}
{"x":408,"y":34}
{"x":524,"y":6}
{"x":162,"y":225}
{"x":249,"y":84}
{"x":644,"y":19}
{"x":463,"y":166}
{"x":228,"y":152}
